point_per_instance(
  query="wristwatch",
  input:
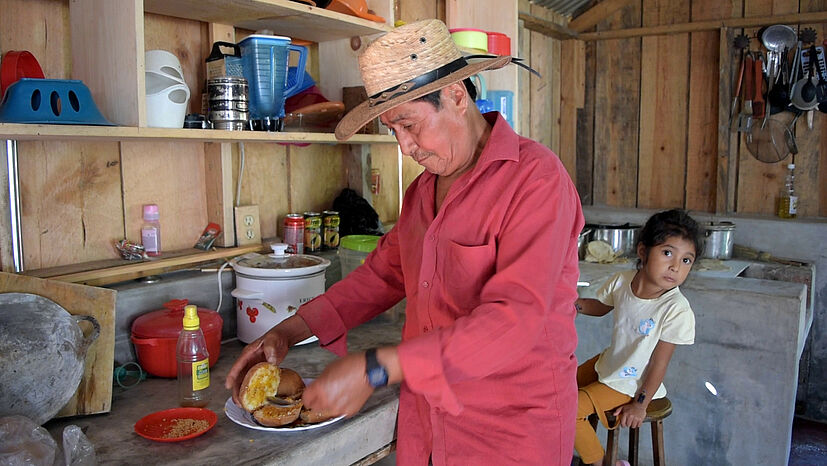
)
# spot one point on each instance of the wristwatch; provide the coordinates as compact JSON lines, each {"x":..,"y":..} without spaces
{"x":377,"y":375}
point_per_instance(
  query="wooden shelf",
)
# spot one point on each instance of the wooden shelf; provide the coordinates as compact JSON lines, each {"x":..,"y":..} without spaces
{"x":104,"y":272}
{"x":283,"y":17}
{"x":24,"y":132}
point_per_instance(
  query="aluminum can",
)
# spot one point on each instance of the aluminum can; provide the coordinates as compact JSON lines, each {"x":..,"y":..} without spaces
{"x":294,"y":233}
{"x":312,"y":231}
{"x":330,"y":228}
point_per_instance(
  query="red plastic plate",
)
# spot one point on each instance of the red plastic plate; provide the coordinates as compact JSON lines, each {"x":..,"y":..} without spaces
{"x":156,"y":426}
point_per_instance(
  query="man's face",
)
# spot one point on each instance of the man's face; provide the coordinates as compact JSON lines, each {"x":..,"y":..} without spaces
{"x":431,"y":137}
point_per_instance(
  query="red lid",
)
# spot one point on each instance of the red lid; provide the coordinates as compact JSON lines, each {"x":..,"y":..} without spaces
{"x":168,"y":323}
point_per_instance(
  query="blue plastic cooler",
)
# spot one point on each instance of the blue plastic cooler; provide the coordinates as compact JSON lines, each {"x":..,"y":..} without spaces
{"x":264,"y":64}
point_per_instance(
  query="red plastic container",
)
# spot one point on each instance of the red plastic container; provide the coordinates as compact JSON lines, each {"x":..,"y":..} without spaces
{"x":18,"y":64}
{"x":499,"y":43}
{"x":155,"y":335}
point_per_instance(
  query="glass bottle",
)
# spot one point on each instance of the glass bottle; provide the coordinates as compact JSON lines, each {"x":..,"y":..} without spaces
{"x":788,"y":201}
{"x":193,"y":362}
{"x":151,"y":230}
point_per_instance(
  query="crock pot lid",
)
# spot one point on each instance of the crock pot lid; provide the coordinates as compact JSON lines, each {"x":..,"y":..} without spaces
{"x":287,"y":262}
{"x":167,"y":323}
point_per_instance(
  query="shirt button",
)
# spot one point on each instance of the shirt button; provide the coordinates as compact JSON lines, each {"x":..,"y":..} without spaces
{"x":424,"y":329}
{"x":433,"y":237}
{"x":425,"y":284}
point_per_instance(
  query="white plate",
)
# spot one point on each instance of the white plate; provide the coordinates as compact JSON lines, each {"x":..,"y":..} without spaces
{"x":243,"y":418}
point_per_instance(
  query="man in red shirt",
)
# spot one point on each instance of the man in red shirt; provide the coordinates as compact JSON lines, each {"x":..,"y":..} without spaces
{"x":485,"y":251}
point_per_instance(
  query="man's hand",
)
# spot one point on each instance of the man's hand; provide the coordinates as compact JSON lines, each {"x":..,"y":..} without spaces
{"x":342,"y":388}
{"x":271,"y":347}
{"x":631,"y":414}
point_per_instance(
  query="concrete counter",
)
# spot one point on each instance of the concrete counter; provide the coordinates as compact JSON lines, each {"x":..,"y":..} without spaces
{"x":344,"y":442}
{"x":749,"y":336}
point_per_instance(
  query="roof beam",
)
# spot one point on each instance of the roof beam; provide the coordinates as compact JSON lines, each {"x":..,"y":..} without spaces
{"x":553,"y":30}
{"x":734,"y":23}
{"x":589,"y":18}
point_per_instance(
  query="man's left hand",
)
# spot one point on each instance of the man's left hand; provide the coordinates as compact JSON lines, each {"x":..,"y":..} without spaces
{"x":342,"y":388}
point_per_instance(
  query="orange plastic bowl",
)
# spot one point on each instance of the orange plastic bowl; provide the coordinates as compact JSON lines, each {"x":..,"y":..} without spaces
{"x":157,"y":426}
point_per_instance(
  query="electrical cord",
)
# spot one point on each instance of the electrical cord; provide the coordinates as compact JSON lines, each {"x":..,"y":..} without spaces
{"x":220,"y":288}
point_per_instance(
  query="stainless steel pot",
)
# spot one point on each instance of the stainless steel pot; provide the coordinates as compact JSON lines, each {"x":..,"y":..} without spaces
{"x":718,"y":240}
{"x":622,"y":237}
{"x":42,"y":354}
{"x":582,"y":242}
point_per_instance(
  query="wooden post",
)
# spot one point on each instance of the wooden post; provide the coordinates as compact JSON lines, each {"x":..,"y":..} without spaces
{"x":218,"y":176}
{"x":727,"y":162}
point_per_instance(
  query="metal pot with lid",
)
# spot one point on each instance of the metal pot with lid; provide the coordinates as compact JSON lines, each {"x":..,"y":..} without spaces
{"x":621,"y":237}
{"x":42,"y":355}
{"x":271,"y":287}
{"x":719,"y":239}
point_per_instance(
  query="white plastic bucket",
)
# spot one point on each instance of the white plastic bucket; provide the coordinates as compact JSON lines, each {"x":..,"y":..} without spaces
{"x":167,"y":107}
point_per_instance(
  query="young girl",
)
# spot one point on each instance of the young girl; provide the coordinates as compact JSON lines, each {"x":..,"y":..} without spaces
{"x":651,"y":316}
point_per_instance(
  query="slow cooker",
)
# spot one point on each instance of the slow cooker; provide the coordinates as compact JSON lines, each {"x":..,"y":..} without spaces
{"x":155,"y":336}
{"x":271,"y":287}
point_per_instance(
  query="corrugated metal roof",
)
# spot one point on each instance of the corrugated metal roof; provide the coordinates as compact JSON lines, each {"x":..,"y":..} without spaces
{"x":562,"y":7}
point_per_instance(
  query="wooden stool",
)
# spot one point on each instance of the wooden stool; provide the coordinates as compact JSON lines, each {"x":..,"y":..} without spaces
{"x":655,"y":413}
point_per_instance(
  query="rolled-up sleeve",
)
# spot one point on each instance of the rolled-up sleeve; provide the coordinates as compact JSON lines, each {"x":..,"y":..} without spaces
{"x":364,"y":293}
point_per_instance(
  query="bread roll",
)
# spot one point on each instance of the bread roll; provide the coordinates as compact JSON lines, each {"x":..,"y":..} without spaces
{"x":272,"y":415}
{"x":312,"y":417}
{"x":265,"y":380}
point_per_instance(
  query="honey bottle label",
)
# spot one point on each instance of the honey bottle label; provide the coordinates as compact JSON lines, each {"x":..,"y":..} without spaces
{"x":200,"y":374}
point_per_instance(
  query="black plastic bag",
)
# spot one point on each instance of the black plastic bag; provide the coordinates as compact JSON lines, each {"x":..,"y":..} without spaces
{"x":357,"y":216}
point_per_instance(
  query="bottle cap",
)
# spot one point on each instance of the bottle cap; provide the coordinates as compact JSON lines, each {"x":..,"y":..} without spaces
{"x":151,"y":212}
{"x":191,"y":321}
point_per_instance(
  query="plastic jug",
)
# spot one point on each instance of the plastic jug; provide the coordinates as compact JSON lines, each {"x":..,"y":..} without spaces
{"x":264,"y":61}
{"x":167,"y":94}
{"x":503,"y":103}
{"x":483,"y":104}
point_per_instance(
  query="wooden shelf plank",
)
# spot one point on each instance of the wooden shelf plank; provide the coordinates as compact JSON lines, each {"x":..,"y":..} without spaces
{"x":129,"y":133}
{"x":116,"y":270}
{"x":283,"y":17}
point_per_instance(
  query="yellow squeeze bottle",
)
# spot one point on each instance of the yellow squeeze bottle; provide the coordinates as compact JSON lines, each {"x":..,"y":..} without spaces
{"x":193,"y":362}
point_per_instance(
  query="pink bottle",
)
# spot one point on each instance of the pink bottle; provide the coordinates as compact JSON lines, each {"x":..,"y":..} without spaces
{"x":151,"y":230}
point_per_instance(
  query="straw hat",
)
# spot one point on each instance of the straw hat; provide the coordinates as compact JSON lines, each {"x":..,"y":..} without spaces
{"x":406,"y":63}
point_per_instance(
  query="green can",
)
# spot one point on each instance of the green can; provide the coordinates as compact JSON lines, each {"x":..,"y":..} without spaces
{"x":330,"y":228}
{"x":312,"y":232}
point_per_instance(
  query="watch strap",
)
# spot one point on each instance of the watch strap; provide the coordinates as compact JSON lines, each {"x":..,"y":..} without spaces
{"x":377,"y":375}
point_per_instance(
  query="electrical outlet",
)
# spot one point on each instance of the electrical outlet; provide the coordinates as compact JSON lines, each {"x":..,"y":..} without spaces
{"x":247,"y":225}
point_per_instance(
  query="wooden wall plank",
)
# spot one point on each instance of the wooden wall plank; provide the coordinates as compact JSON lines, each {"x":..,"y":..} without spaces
{"x":316,"y":177}
{"x":572,"y":54}
{"x":27,"y":24}
{"x":523,"y":49}
{"x":71,"y":204}
{"x":586,"y":129}
{"x":186,"y":40}
{"x":810,"y":165}
{"x":171,"y":175}
{"x":108,"y":56}
{"x":663,"y":115}
{"x":266,"y":183}
{"x":542,"y":89}
{"x":702,"y":141}
{"x":759,"y":183}
{"x":386,"y":201}
{"x":616,"y":114}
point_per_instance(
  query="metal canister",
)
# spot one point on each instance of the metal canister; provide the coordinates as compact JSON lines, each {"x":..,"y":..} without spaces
{"x":294,"y":233}
{"x":228,"y":100}
{"x":330,"y":226}
{"x":312,"y":231}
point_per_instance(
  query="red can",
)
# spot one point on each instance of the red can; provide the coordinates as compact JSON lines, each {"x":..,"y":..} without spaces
{"x":294,"y":233}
